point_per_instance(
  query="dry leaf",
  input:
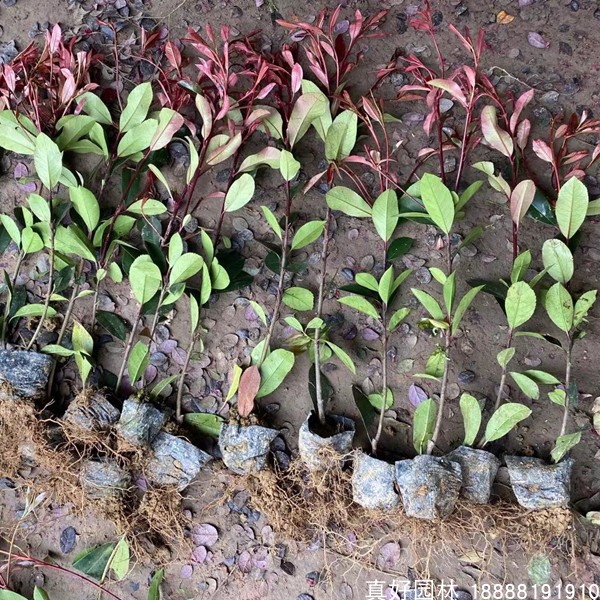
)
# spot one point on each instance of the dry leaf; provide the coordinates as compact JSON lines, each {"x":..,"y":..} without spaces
{"x":249,"y":384}
{"x":504,"y":18}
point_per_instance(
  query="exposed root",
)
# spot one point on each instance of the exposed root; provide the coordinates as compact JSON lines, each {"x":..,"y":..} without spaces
{"x":307,"y":505}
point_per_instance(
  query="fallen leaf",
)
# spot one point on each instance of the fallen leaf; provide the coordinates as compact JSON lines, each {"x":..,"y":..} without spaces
{"x":536,"y":40}
{"x":205,"y":535}
{"x":504,"y":18}
{"x":389,"y":555}
{"x":249,"y":385}
{"x":416,"y":395}
{"x":245,"y":562}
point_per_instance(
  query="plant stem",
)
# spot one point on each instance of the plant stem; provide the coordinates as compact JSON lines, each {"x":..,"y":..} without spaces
{"x":49,"y":292}
{"x":375,"y":440}
{"x":186,"y":365}
{"x":317,"y":347}
{"x":284,"y":256}
{"x":503,"y":376}
{"x":565,"y":420}
{"x":438,"y":424}
{"x":128,"y":349}
{"x":8,"y":302}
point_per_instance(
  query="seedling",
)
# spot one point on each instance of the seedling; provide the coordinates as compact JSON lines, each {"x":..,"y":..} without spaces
{"x":566,"y":312}
{"x":441,"y":206}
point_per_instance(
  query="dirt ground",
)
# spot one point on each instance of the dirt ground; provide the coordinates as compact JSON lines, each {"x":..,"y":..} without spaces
{"x":569,"y":66}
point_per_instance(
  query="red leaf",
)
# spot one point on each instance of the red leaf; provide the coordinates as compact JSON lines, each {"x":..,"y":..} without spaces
{"x":543,"y":151}
{"x":520,"y":104}
{"x":249,"y":384}
{"x":451,"y":87}
{"x":521,"y":199}
{"x":523,"y":133}
{"x":296,"y":77}
{"x":496,"y":137}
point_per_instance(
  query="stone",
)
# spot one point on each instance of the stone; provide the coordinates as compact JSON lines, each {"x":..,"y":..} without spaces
{"x":538,"y":485}
{"x":140,"y":422}
{"x":94,"y":413}
{"x":103,"y":479}
{"x":245,"y":449}
{"x":175,"y":461}
{"x":479,"y":469}
{"x":24,"y":373}
{"x":373,"y":483}
{"x":312,"y":447}
{"x":429,"y":486}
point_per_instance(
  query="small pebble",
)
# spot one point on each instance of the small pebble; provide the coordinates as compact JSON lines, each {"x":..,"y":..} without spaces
{"x":423,"y":275}
{"x":467,"y":376}
{"x":347,"y":274}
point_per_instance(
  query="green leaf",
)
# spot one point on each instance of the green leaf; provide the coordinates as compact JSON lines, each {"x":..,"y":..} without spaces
{"x":136,"y":109}
{"x":307,"y":234}
{"x":34,"y":310}
{"x":376,"y":400}
{"x":16,"y":140}
{"x":175,"y":248}
{"x":558,"y":260}
{"x":397,"y":318}
{"x":367,"y":280}
{"x":258,"y":309}
{"x":571,"y":207}
{"x":11,"y":228}
{"x":93,"y":561}
{"x":449,"y":291}
{"x":583,"y":305}
{"x":40,"y":207}
{"x":86,"y":205}
{"x":145,"y":278}
{"x":521,"y":199}
{"x":558,"y":397}
{"x":57,"y":350}
{"x":386,"y":284}
{"x":438,"y":202}
{"x":520,"y":266}
{"x":424,"y":424}
{"x":240,"y":193}
{"x":113,"y":323}
{"x":463,"y":306}
{"x":288,"y":165}
{"x":430,"y":303}
{"x":267,"y":156}
{"x":221,"y":148}
{"x":594,"y":208}
{"x":120,"y":559}
{"x":527,"y":385}
{"x":496,"y":137}
{"x":93,"y":106}
{"x":471,"y":413}
{"x":298,"y":298}
{"x":343,"y":356}
{"x":154,"y":589}
{"x":347,"y":201}
{"x":436,"y":363}
{"x":47,"y":159}
{"x":8,"y":595}
{"x":520,"y":304}
{"x":563,"y":444}
{"x":399,"y":247}
{"x":205,"y":423}
{"x":162,"y":385}
{"x":542,"y":377}
{"x":307,"y":108}
{"x":169,"y":123}
{"x":235,"y":382}
{"x":385,"y":214}
{"x":505,"y":419}
{"x":185,"y":267}
{"x":71,"y":240}
{"x":82,"y":340}
{"x":272,"y":221}
{"x":273,"y":371}
{"x":360,"y":304}
{"x":505,"y":356}
{"x":365,"y":408}
{"x":468,"y":194}
{"x":31,"y":242}
{"x":219,"y":276}
{"x":341,"y":136}
{"x":38,"y":594}
{"x":137,"y":139}
{"x":559,"y":306}
{"x":147,"y":207}
{"x":139,"y":359}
